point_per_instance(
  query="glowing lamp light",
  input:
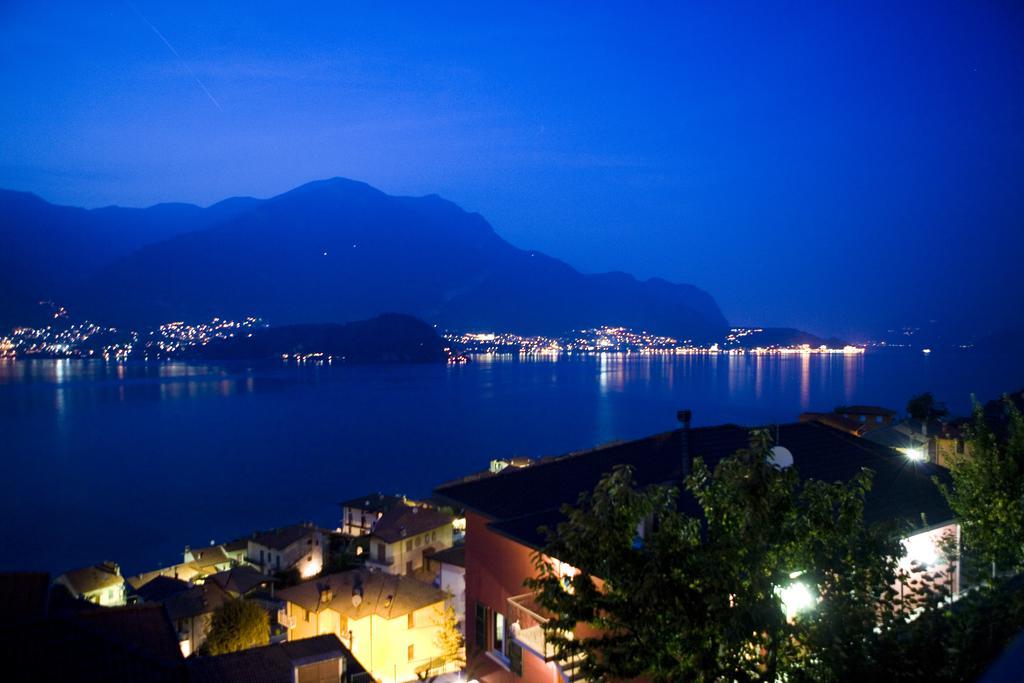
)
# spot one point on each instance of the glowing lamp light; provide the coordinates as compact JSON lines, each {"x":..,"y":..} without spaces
{"x":797,"y":597}
{"x":914,"y":454}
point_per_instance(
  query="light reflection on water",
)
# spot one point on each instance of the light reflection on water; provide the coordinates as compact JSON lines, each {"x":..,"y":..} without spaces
{"x":131,"y":461}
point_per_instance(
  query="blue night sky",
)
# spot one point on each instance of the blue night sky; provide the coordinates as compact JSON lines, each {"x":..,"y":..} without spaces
{"x":834,"y":168}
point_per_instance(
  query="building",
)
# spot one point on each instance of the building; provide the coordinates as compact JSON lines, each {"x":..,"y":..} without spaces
{"x":856,"y":420}
{"x":191,"y":613}
{"x":389,"y":623}
{"x":320,"y":659}
{"x":450,"y":568}
{"x":506,"y":511}
{"x":871,"y":417}
{"x":101,"y":584}
{"x":85,"y":643}
{"x":359,"y":515}
{"x":299,"y":547}
{"x":404,"y":534}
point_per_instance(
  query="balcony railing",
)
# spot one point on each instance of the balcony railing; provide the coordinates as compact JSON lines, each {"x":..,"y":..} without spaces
{"x":526,"y":620}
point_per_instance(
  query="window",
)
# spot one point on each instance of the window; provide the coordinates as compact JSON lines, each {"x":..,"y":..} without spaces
{"x":408,"y":545}
{"x":412,"y":620}
{"x":306,"y":617}
{"x":419,"y":541}
{"x":433,"y":535}
{"x":278,"y":561}
{"x":381,"y":553}
{"x":411,"y":653}
{"x":499,"y":632}
{"x":480,"y":627}
{"x":261,"y":557}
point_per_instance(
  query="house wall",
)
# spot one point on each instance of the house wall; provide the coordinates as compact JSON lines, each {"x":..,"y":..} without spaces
{"x":362,"y":521}
{"x":381,"y":645}
{"x":385,"y":651}
{"x":410,"y":550}
{"x":306,"y":555}
{"x":496,"y":568}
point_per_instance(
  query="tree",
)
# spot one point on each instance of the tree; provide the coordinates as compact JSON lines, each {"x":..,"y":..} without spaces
{"x":987,"y":492}
{"x":449,"y":640}
{"x":238,"y":624}
{"x":779,"y":578}
{"x":923,"y":407}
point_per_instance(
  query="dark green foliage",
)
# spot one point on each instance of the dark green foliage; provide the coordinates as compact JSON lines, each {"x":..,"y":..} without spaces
{"x":701,"y":599}
{"x":923,"y":407}
{"x":237,"y":625}
{"x":987,"y":493}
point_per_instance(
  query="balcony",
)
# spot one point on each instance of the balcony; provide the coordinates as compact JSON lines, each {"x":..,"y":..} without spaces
{"x":526,"y":624}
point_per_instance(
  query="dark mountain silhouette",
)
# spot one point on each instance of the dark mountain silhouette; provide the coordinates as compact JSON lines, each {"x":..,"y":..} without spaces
{"x":339,"y":250}
{"x":47,"y":250}
{"x":388,"y":338}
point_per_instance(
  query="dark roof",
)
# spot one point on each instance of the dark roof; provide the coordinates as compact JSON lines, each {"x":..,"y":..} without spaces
{"x":374,"y":502}
{"x":400,"y":522}
{"x":195,"y":601}
{"x":239,"y":580}
{"x":24,"y":595}
{"x":280,"y":539}
{"x":455,"y":555}
{"x":836,"y":420}
{"x":97,"y":577}
{"x":112,"y":645}
{"x":270,"y":663}
{"x":518,"y":501}
{"x":387,"y":595}
{"x":161,"y":588}
{"x":209,"y":556}
{"x":865,"y":410}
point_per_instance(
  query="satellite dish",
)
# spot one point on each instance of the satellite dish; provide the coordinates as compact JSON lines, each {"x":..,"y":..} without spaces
{"x":781,"y":457}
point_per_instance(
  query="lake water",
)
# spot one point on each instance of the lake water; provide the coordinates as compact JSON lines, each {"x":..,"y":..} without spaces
{"x":131,"y":462}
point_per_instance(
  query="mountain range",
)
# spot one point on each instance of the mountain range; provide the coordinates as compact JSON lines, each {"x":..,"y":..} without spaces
{"x":330,"y":251}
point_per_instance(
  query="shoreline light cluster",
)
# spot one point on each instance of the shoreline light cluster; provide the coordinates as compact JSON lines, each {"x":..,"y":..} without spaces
{"x":89,"y":340}
{"x":622,"y":340}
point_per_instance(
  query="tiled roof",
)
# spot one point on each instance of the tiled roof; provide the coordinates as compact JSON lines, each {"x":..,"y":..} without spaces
{"x":374,"y":502}
{"x":195,"y":601}
{"x":456,"y":555}
{"x":97,"y":577}
{"x":386,"y":595}
{"x":209,"y":556}
{"x":24,"y":595}
{"x":161,"y":588}
{"x":518,"y":501}
{"x":405,"y":521}
{"x":270,"y":663}
{"x":239,"y":580}
{"x":280,"y":539}
{"x":865,"y":410}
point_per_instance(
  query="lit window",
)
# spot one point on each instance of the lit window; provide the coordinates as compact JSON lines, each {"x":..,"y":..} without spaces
{"x":411,"y":653}
{"x":412,"y":620}
{"x":499,"y":632}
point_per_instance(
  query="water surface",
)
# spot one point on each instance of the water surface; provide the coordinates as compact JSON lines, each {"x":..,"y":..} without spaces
{"x":130,"y":462}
